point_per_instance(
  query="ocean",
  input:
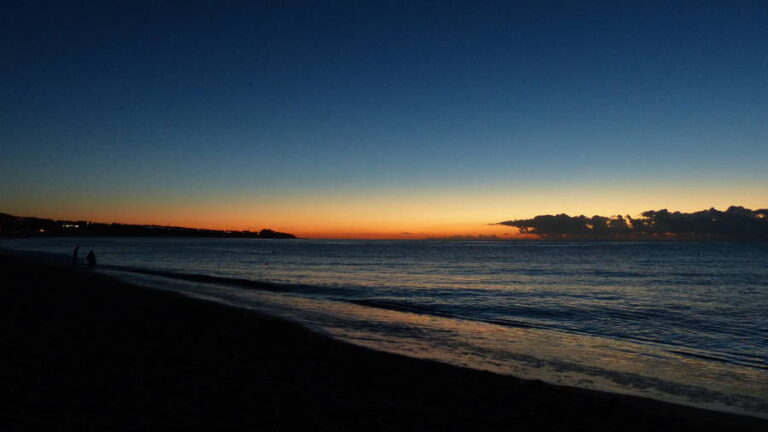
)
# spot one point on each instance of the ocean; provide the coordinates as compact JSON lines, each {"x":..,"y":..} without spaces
{"x":685,"y":322}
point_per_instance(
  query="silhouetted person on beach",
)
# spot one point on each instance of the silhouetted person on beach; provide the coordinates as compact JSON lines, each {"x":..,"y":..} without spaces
{"x":91,"y":258}
{"x":74,"y":255}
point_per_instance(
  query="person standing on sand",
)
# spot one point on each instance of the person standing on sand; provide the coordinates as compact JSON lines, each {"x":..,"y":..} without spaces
{"x":74,"y":255}
{"x":91,"y":258}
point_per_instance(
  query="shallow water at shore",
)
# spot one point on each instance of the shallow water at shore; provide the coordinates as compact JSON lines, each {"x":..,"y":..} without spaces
{"x":683,"y":322}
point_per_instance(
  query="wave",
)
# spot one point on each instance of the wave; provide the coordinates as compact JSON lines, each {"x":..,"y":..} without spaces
{"x":331,"y":293}
{"x":242,"y":283}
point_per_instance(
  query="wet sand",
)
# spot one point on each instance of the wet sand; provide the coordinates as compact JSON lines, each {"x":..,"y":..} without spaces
{"x":83,"y":351}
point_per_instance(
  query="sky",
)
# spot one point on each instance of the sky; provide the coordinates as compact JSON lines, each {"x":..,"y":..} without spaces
{"x":380,"y":119}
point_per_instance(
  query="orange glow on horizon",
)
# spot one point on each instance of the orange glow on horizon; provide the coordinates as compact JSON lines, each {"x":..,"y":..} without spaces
{"x":415,"y":213}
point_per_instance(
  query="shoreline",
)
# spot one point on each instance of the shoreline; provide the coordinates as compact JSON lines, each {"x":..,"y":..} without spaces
{"x":87,"y":350}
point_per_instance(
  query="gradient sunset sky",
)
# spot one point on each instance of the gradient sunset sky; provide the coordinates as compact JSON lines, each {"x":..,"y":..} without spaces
{"x":380,"y":119}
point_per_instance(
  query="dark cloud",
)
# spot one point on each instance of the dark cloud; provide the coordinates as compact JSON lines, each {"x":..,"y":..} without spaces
{"x":734,"y":223}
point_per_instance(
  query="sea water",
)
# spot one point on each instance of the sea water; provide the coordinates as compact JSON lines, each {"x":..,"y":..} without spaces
{"x":685,"y":322}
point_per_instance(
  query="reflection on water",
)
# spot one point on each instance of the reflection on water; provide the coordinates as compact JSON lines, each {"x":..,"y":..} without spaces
{"x":556,"y":357}
{"x":684,"y":322}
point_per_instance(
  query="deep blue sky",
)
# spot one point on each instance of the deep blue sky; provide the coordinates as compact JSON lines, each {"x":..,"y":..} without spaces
{"x":289,"y":106}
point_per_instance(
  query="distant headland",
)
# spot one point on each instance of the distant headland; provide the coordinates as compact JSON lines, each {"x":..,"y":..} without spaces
{"x":17,"y":226}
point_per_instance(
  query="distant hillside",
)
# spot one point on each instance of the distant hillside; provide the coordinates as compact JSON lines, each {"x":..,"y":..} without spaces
{"x":16,"y":226}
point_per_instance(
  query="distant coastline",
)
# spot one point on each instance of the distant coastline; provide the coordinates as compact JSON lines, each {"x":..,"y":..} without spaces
{"x":733,"y":224}
{"x":20,"y":226}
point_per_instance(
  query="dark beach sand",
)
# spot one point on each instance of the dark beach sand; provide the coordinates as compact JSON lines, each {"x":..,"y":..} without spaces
{"x":84,"y":352}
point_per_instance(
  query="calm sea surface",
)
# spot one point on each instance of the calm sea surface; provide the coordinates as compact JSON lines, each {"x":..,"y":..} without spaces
{"x":680,"y":321}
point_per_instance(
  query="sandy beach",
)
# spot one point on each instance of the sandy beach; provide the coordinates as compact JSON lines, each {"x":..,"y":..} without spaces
{"x":82,"y":351}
